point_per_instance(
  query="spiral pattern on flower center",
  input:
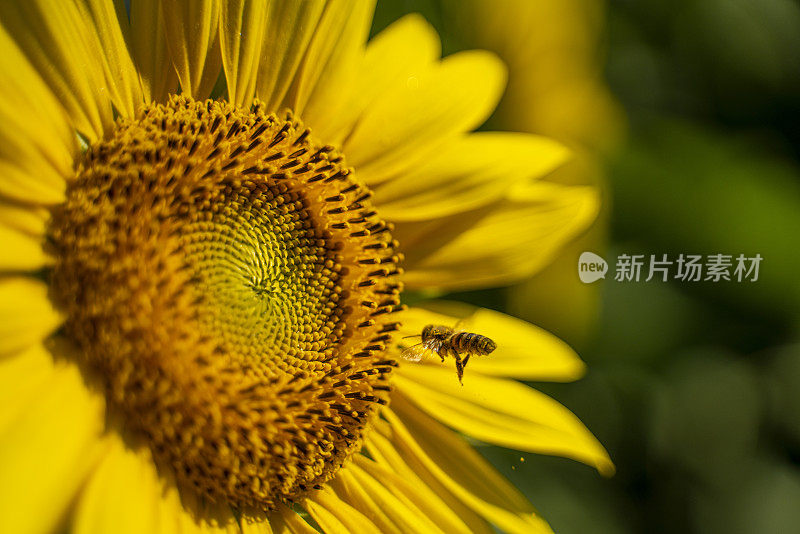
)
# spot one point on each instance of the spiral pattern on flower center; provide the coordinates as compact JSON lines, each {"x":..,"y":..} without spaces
{"x":230,"y":281}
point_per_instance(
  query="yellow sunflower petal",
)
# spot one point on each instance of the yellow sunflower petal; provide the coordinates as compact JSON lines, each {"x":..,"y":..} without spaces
{"x":316,"y":48}
{"x":417,"y":495}
{"x":109,"y":28}
{"x":469,"y":172}
{"x":26,"y":315}
{"x":336,"y":516}
{"x":388,"y":512}
{"x":26,"y":219}
{"x":121,"y":495}
{"x":414,"y":118}
{"x":48,"y":448}
{"x":428,"y":486}
{"x":57,"y":40}
{"x":37,"y":144}
{"x":124,"y":494}
{"x":286,"y":521}
{"x":325,"y":79}
{"x":523,"y":351}
{"x":498,"y":244}
{"x":241,"y":36}
{"x":502,"y":412}
{"x":21,"y":252}
{"x":287,"y":33}
{"x":149,"y":49}
{"x":193,"y":42}
{"x":412,"y":440}
{"x":255,"y":525}
{"x":399,"y":53}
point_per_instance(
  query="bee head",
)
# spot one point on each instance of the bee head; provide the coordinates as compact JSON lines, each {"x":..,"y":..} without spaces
{"x":435,"y":331}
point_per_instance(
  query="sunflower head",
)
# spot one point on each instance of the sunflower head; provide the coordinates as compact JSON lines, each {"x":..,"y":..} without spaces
{"x":230,"y":281}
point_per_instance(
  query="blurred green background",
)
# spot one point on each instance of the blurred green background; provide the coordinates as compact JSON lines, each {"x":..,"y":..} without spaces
{"x":685,"y":113}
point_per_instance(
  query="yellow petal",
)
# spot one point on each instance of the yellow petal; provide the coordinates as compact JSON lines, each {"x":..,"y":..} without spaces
{"x":412,"y":440}
{"x":126,"y":495}
{"x":523,"y":351}
{"x":370,"y":496}
{"x":498,"y":244}
{"x":26,"y":219}
{"x":325,"y":78}
{"x":469,"y":172}
{"x":241,"y":36}
{"x":502,"y":412}
{"x":287,"y":34}
{"x":255,"y":524}
{"x":416,"y":495}
{"x":315,"y":49}
{"x":286,"y":521}
{"x":193,"y":42}
{"x":399,"y":53}
{"x":336,"y":516}
{"x":109,"y":26}
{"x":426,"y":484}
{"x":121,"y":495}
{"x":26,"y":314}
{"x":21,"y":252}
{"x":51,"y":443}
{"x":37,"y":144}
{"x":58,"y":41}
{"x":149,"y":50}
{"x":415,"y":117}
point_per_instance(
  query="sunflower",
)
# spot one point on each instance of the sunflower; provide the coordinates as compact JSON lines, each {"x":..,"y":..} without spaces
{"x":201,"y":298}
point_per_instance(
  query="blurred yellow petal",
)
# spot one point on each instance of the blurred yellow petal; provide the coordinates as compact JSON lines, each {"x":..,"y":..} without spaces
{"x":58,"y":41}
{"x":48,"y":448}
{"x":498,"y":244}
{"x":388,"y":512}
{"x":121,"y":76}
{"x":121,"y":495}
{"x":126,"y":495}
{"x":501,"y":412}
{"x":149,"y":50}
{"x":415,"y":117}
{"x":336,"y":516}
{"x":193,"y":42}
{"x":412,"y":440}
{"x":427,"y":485}
{"x":469,"y":172}
{"x":21,"y":252}
{"x":26,"y":314}
{"x":29,"y":220}
{"x":37,"y":144}
{"x":287,"y":521}
{"x":523,"y":351}
{"x":241,"y":36}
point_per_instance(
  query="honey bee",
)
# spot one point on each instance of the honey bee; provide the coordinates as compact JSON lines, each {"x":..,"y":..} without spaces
{"x":440,"y":340}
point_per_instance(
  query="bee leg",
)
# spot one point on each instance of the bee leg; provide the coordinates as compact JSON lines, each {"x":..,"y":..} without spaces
{"x":464,"y":363}
{"x":459,"y":367}
{"x":442,"y":352}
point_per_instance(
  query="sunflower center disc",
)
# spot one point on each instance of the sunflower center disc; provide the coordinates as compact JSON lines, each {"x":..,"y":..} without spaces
{"x":231,"y":283}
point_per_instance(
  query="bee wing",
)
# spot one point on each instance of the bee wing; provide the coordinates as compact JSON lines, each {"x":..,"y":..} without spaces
{"x":464,"y":324}
{"x":415,"y":353}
